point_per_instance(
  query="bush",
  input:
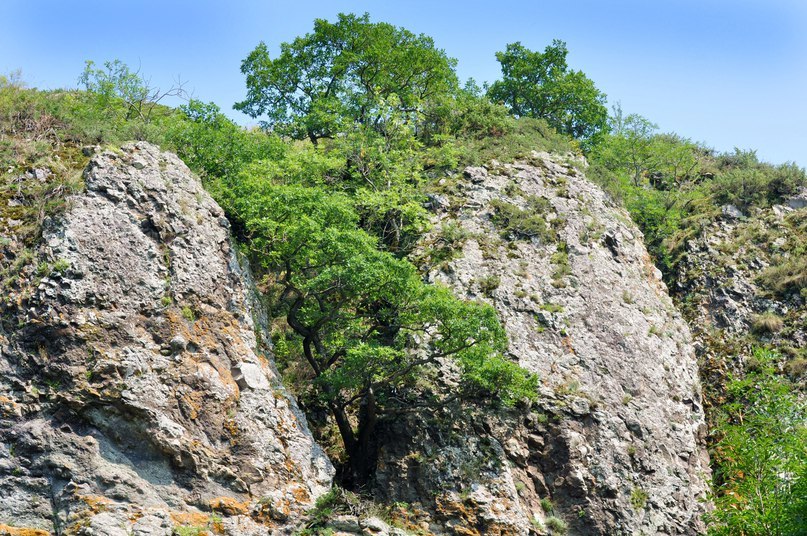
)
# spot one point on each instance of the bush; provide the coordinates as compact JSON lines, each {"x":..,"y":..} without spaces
{"x":766,"y":323}
{"x":556,"y":525}
{"x":760,"y":480}
{"x":788,"y":276}
{"x":469,"y":114}
{"x":488,"y":284}
{"x":638,"y":498}
{"x":524,"y":136}
{"x":515,"y":222}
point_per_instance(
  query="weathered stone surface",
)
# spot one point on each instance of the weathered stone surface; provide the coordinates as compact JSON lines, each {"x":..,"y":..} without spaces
{"x":730,"y":212}
{"x":135,"y":395}
{"x":799,"y":200}
{"x":616,"y":441}
{"x":730,"y":276}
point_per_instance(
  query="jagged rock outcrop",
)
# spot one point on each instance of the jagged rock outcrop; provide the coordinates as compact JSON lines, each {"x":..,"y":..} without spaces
{"x":742,"y":282}
{"x":616,"y":441}
{"x":136,"y":391}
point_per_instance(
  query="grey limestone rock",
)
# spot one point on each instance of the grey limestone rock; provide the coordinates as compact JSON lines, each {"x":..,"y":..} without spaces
{"x":135,"y":395}
{"x":799,"y":200}
{"x":616,"y":439}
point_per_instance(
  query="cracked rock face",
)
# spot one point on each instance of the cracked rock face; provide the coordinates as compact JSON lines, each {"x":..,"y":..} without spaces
{"x":737,"y":292}
{"x":616,"y":439}
{"x":136,"y":394}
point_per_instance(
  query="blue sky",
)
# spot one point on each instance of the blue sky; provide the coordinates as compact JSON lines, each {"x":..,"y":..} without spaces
{"x":728,"y":73}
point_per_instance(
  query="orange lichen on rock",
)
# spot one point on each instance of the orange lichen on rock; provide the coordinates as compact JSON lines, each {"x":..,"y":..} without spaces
{"x":196,"y":519}
{"x":229,"y":506}
{"x":6,"y":530}
{"x":8,"y":406}
{"x":301,"y":494}
{"x":192,"y":404}
{"x":95,"y":503}
{"x":567,"y":344}
{"x":452,"y":509}
{"x":272,"y":510}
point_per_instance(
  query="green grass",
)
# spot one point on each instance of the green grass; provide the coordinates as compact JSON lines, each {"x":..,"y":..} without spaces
{"x":188,"y":314}
{"x":638,"y":498}
{"x":766,"y":323}
{"x":556,"y":525}
{"x":552,"y":307}
{"x":523,"y":136}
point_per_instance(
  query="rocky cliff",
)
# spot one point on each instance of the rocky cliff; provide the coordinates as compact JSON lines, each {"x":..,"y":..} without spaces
{"x":136,"y":393}
{"x":615,"y":444}
{"x":741,"y":283}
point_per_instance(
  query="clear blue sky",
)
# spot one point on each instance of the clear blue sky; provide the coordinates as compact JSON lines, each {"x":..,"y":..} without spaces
{"x":725,"y":72}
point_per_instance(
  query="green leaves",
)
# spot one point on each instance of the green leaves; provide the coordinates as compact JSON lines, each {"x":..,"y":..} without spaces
{"x":214,"y":146}
{"x":540,"y":85}
{"x":761,"y":477}
{"x":115,"y":80}
{"x":324,"y":81}
{"x":367,"y":321}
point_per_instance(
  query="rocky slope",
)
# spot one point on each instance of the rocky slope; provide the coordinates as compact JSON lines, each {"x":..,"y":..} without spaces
{"x":136,"y":394}
{"x":616,"y":443}
{"x":742,"y":282}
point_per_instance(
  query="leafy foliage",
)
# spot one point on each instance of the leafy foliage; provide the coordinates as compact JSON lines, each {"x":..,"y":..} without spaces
{"x":359,"y":311}
{"x":116,"y":85}
{"x":540,"y":85}
{"x":213,"y":145}
{"x":673,"y":187}
{"x":526,"y":223}
{"x":326,"y":80}
{"x":761,"y":476}
{"x":363,"y":119}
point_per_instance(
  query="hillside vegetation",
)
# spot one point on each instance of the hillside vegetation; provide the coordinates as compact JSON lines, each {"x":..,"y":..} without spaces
{"x":364,"y":125}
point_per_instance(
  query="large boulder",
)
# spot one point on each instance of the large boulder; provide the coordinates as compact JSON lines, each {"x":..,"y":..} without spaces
{"x":615,"y":444}
{"x":137,"y":390}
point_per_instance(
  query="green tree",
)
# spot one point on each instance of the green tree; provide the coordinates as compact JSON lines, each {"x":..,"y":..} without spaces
{"x":634,"y":146}
{"x":760,"y":456}
{"x":368,"y":328}
{"x":215,"y":147}
{"x":540,"y":85}
{"x":628,"y":147}
{"x":324,"y":81}
{"x":116,"y":83}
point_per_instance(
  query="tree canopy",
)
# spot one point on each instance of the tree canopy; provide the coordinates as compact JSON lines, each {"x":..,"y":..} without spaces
{"x":536,"y":84}
{"x":340,"y":73}
{"x":368,"y":327}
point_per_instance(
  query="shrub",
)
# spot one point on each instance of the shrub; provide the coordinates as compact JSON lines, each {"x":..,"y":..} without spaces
{"x":766,"y":323}
{"x":516,"y":223}
{"x":552,"y":307}
{"x":760,"y":478}
{"x":790,"y":275}
{"x":638,"y":498}
{"x":188,"y":314}
{"x":448,"y":242}
{"x":525,"y":136}
{"x":488,"y":284}
{"x":562,"y":266}
{"x":557,"y":525}
{"x":796,"y":367}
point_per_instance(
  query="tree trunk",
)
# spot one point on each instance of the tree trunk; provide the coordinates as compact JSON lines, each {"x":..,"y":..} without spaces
{"x":359,"y":446}
{"x":345,"y":429}
{"x":364,"y":455}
